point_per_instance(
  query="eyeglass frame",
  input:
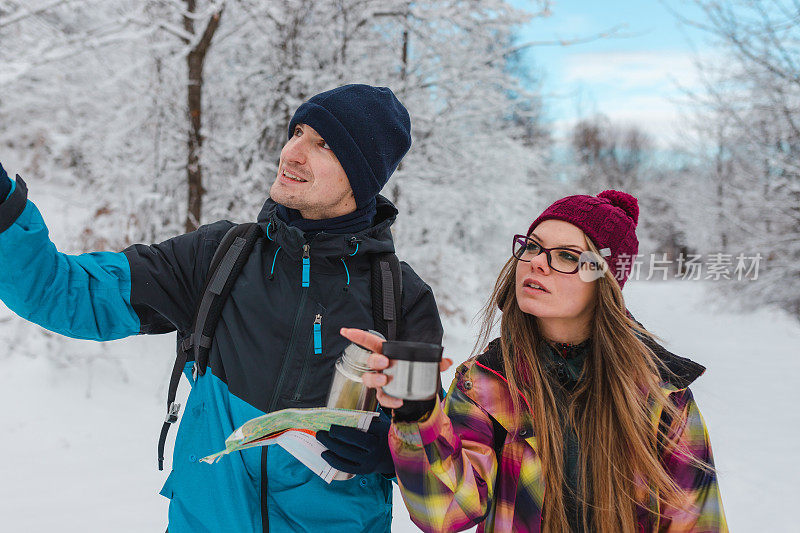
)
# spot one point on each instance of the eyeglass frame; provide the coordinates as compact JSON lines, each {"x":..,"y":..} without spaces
{"x":546,"y":252}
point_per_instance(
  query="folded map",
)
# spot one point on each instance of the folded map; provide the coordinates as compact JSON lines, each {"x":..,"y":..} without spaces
{"x":295,"y":431}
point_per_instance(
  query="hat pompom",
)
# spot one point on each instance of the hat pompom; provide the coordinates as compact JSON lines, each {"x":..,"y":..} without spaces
{"x":624,"y":201}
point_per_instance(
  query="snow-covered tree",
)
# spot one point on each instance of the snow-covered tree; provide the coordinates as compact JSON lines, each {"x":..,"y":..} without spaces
{"x":110,"y":96}
{"x":749,"y":121}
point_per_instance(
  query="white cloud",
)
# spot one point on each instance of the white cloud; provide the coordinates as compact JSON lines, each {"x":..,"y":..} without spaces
{"x":658,"y":116}
{"x":631,"y":88}
{"x":637,"y":70}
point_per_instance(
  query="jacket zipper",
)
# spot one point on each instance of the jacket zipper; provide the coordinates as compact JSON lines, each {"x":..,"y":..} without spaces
{"x":306,"y":279}
{"x":317,"y":340}
{"x":318,"y":334}
{"x":306,"y":275}
{"x":264,"y":491}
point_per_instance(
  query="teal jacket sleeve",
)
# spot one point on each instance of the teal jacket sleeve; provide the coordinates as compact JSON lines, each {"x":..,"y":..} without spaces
{"x":100,"y":295}
{"x":83,"y":296}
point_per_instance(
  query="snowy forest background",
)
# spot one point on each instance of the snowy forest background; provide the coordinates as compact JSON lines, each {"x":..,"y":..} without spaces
{"x":133,"y":121}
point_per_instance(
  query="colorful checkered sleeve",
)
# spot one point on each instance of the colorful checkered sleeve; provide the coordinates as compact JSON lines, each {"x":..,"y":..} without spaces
{"x":446,"y":464}
{"x":703,"y":512}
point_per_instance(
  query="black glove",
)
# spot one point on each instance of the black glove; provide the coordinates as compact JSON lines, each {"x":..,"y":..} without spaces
{"x":414,"y":410}
{"x":359,"y":452}
{"x":5,"y":184}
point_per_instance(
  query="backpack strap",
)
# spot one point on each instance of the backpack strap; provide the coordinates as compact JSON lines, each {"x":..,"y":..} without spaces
{"x":228,"y":261}
{"x":387,"y":291}
{"x":226,"y":265}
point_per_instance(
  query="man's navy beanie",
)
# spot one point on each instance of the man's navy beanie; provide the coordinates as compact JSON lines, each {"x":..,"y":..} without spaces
{"x":367,"y":128}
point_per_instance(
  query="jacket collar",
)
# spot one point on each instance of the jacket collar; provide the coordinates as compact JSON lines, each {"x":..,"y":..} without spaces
{"x":375,"y":239}
{"x":676,"y":372}
{"x":482,"y":379}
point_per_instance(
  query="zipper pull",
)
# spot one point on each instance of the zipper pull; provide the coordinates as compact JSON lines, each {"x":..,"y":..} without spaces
{"x":354,"y":242}
{"x":306,"y":266}
{"x":318,"y":335}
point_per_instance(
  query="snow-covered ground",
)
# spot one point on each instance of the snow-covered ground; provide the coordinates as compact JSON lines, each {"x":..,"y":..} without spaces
{"x":81,"y":420}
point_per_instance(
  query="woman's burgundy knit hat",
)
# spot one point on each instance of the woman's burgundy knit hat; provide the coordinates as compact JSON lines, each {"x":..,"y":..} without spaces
{"x":609,"y":219}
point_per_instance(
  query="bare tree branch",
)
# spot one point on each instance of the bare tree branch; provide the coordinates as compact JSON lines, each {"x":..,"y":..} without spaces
{"x":22,"y":15}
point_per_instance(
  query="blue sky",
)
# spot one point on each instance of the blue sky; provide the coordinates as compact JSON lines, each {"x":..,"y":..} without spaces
{"x":634,"y":79}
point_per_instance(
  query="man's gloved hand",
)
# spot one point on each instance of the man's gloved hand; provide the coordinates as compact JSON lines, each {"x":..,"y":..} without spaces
{"x":5,"y":184}
{"x":359,"y":452}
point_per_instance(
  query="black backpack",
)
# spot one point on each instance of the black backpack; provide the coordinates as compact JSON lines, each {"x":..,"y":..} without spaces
{"x":227,"y":263}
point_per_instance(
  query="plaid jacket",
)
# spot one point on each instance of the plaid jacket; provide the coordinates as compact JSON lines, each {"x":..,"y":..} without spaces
{"x":455,"y":473}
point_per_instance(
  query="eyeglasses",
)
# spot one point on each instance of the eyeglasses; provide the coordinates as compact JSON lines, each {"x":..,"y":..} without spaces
{"x":562,"y":260}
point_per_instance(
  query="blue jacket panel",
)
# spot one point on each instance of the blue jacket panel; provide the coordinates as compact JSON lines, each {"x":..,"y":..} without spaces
{"x":298,"y":500}
{"x":203,"y":496}
{"x":227,"y":496}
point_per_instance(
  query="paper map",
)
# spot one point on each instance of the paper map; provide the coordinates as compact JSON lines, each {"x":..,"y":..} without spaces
{"x":295,"y":431}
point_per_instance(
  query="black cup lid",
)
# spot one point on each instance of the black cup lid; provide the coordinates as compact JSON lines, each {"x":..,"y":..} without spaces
{"x":422,"y":352}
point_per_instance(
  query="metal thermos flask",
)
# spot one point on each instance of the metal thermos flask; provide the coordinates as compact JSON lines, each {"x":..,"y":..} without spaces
{"x":415,"y":369}
{"x":347,"y":390}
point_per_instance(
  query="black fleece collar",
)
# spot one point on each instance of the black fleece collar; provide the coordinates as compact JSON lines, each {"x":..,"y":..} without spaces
{"x":375,"y":239}
{"x":675,"y":370}
{"x":358,"y":220}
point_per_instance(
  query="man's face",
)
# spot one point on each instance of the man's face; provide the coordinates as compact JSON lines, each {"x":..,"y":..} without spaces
{"x":311,"y":179}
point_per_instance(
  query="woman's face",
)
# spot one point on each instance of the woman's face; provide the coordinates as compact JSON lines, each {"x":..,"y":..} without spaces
{"x":564,"y":307}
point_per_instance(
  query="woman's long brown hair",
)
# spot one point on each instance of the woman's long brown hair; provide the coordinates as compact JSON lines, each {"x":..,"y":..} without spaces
{"x":610,"y":409}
